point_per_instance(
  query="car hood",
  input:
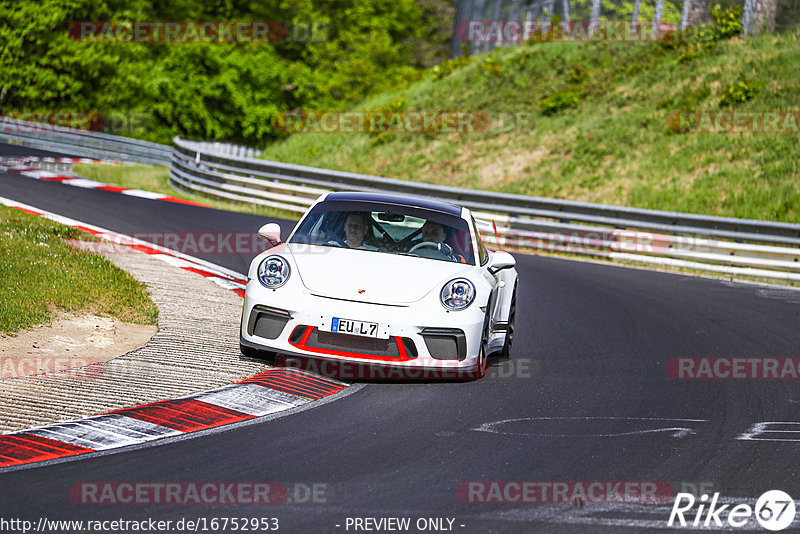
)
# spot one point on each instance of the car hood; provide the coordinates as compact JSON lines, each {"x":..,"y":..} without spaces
{"x":373,"y":277}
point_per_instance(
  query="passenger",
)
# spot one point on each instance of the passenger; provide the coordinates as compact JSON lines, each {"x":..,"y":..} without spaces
{"x":355,"y":231}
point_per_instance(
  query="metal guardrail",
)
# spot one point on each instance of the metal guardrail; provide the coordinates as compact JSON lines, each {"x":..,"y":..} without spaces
{"x":99,"y":145}
{"x":759,"y":248}
{"x":522,"y":222}
{"x":82,"y":143}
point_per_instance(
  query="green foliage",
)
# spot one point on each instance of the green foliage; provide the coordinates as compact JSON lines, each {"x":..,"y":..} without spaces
{"x":740,"y":91}
{"x":687,"y":99}
{"x":559,"y":100}
{"x":491,"y":66}
{"x":450,"y":66}
{"x":694,"y":41}
{"x":727,"y":22}
{"x":382,"y":138}
{"x":378,"y":130}
{"x":578,"y":74}
{"x":211,"y":91}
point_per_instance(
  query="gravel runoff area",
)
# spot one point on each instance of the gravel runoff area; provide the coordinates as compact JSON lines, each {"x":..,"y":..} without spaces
{"x":195,"y":349}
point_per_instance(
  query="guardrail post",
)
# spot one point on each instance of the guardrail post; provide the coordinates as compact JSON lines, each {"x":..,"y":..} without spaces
{"x":658,"y":14}
{"x":748,"y":12}
{"x":685,"y":14}
{"x":635,"y":16}
{"x":595,"y":16}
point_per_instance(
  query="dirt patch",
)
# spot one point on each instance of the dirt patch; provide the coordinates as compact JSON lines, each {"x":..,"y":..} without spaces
{"x":70,"y":342}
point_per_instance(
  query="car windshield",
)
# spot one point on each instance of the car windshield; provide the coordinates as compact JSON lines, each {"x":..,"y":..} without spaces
{"x":387,"y":229}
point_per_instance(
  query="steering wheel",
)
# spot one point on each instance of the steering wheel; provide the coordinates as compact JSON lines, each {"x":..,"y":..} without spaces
{"x":425,"y":244}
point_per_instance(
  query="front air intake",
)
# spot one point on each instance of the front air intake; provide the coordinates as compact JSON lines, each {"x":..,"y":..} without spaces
{"x":445,"y":343}
{"x":267,"y":322}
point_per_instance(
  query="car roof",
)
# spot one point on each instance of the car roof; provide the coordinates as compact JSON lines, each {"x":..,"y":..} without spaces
{"x":401,"y":200}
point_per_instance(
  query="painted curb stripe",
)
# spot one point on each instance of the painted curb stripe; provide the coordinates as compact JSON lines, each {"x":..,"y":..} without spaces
{"x":266,"y":393}
{"x":297,"y":383}
{"x":271,"y":391}
{"x":26,"y":447}
{"x":184,"y":415}
{"x":16,"y":166}
{"x":251,"y":399}
{"x":105,"y":431}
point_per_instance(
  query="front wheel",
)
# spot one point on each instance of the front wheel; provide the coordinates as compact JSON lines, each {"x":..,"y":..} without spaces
{"x":482,"y":366}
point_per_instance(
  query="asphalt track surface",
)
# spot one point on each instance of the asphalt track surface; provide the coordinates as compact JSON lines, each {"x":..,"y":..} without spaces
{"x":587,"y":390}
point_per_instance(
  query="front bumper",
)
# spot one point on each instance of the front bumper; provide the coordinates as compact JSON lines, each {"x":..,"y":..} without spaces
{"x":422,"y":335}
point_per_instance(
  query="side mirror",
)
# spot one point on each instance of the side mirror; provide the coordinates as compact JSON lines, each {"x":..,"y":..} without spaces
{"x":501,"y":260}
{"x":271,"y":232}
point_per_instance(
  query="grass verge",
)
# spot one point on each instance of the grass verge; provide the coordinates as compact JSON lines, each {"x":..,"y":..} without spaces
{"x":40,"y":271}
{"x":592,"y":122}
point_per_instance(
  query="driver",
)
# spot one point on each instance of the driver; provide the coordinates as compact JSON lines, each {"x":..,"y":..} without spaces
{"x":434,"y":232}
{"x":355,"y":231}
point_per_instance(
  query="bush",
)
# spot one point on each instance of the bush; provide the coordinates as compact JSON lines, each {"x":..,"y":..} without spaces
{"x":727,"y":22}
{"x":696,"y":40}
{"x":491,"y":67}
{"x":742,"y":90}
{"x":199,"y":90}
{"x":448,"y":67}
{"x":558,"y":101}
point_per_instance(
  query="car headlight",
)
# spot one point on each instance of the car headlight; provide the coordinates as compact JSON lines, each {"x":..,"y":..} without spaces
{"x":273,"y":272}
{"x":457,"y":294}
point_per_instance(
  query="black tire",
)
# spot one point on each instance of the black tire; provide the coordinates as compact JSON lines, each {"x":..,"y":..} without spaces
{"x":482,"y":367}
{"x":483,"y":364}
{"x":512,"y":313}
{"x":250,"y":352}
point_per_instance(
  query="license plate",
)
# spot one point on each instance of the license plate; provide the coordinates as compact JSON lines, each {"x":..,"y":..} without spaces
{"x":354,"y":328}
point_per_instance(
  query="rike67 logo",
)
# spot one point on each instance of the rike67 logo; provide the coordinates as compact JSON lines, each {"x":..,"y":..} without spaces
{"x":774,"y":510}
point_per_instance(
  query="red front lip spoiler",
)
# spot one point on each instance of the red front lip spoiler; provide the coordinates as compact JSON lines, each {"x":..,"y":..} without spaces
{"x":302,"y":345}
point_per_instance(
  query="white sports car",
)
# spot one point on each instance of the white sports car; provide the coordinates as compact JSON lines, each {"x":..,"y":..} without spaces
{"x":382,"y":279}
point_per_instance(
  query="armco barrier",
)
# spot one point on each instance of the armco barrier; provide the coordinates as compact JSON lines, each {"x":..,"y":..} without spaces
{"x":99,"y":145}
{"x":82,"y":143}
{"x":758,"y":248}
{"x":740,"y":246}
